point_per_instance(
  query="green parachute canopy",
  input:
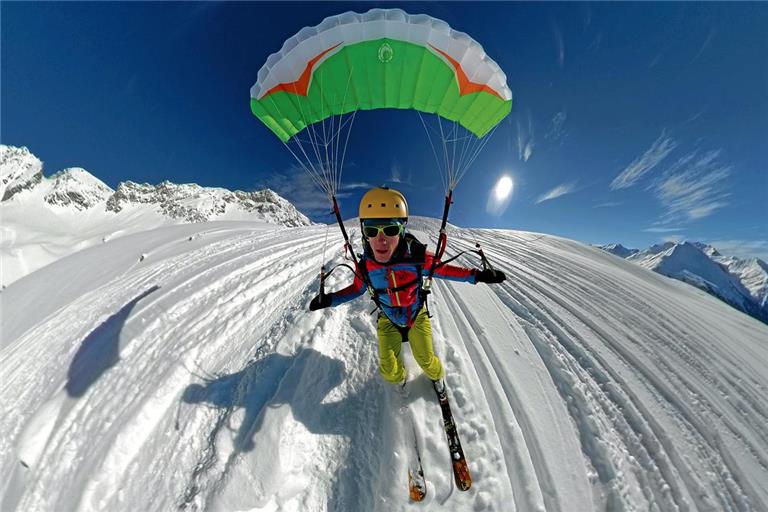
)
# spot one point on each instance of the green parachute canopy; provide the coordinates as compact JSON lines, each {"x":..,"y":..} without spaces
{"x":384,"y":58}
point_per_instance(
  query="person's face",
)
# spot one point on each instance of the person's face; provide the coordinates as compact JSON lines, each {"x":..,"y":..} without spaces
{"x":383,"y":245}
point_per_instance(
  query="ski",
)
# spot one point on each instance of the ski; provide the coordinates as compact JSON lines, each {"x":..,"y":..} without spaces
{"x":417,"y":484}
{"x":458,"y":461}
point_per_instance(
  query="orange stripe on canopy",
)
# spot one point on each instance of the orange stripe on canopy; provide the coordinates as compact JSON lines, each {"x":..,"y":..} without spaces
{"x":465,"y":85}
{"x":301,"y":86}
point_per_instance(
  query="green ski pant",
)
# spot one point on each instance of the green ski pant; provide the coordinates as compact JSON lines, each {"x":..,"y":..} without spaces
{"x":391,"y":338}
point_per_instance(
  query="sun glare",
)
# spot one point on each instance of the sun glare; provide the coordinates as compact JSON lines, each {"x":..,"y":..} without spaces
{"x":503,"y":188}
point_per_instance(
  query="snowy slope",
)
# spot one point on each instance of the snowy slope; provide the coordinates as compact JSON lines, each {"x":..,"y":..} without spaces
{"x":753,"y":275}
{"x":741,"y":283}
{"x":196,"y":378}
{"x":46,"y":218}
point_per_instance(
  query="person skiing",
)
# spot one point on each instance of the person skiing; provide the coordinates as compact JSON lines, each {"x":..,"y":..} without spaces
{"x":395,"y":262}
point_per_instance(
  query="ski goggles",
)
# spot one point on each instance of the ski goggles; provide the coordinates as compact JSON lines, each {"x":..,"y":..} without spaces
{"x":392,"y":229}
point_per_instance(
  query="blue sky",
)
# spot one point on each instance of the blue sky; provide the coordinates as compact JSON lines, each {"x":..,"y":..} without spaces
{"x":631,"y":122}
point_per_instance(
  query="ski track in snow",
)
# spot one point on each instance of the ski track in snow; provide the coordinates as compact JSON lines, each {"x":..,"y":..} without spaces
{"x":197,"y":380}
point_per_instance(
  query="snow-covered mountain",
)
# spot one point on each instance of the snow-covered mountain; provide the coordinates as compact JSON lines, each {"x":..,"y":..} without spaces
{"x":45,"y":218}
{"x":619,"y":250}
{"x":180,"y":369}
{"x":742,"y":283}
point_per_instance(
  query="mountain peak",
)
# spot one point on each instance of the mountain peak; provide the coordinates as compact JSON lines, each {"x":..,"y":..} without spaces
{"x":618,"y":249}
{"x":76,"y":187}
{"x":739,"y":282}
{"x":191,"y":202}
{"x":48,"y":218}
{"x":20,"y":170}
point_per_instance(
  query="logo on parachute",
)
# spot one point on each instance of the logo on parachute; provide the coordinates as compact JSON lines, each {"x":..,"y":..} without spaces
{"x":386,"y":53}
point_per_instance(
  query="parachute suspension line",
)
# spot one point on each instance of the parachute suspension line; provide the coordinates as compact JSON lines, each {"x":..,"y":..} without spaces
{"x":313,"y":138}
{"x":448,"y":169}
{"x":460,"y":149}
{"x":332,"y":170}
{"x":349,"y":130}
{"x":307,"y":163}
{"x":434,"y":152}
{"x":453,"y":142}
{"x":466,"y":143}
{"x":326,"y":167}
{"x":479,"y":149}
{"x":309,"y":170}
{"x":320,"y":170}
{"x":344,"y":153}
{"x":348,"y":248}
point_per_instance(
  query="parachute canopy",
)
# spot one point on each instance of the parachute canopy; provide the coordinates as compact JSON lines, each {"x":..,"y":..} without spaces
{"x":384,"y":58}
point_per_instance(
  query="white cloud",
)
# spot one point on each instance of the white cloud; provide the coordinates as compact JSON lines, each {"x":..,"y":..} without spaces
{"x":558,"y":191}
{"x":557,"y":132}
{"x":704,"y":46}
{"x":359,"y":184}
{"x":394,"y":173}
{"x":560,"y":45}
{"x":609,"y":204}
{"x":658,"y":151}
{"x":596,"y":42}
{"x":662,"y":230}
{"x":693,"y":188}
{"x":300,"y":189}
{"x":525,"y":142}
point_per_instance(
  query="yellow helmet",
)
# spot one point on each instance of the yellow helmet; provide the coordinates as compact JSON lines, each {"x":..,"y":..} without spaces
{"x":383,"y":203}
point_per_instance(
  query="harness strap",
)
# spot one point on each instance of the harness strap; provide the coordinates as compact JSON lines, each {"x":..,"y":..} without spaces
{"x":400,"y":288}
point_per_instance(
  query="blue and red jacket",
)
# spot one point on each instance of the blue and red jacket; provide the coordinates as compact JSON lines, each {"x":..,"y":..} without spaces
{"x":397,"y":283}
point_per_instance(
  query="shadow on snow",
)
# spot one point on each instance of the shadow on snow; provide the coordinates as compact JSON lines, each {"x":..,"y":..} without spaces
{"x":100,"y":350}
{"x":302,"y":382}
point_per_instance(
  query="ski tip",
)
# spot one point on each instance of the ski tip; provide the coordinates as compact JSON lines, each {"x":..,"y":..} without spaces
{"x":417,"y":488}
{"x":417,"y":494}
{"x":463,"y":478}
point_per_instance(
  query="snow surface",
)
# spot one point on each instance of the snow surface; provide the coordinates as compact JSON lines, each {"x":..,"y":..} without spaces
{"x":44,"y":219}
{"x":181,"y":369}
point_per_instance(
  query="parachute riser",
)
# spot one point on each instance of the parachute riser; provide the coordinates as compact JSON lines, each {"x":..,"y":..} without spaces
{"x":486,"y":264}
{"x":348,"y":248}
{"x":442,"y":241}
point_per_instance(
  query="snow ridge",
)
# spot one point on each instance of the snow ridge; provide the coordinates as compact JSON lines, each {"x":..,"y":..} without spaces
{"x":742,"y":283}
{"x":19,"y":170}
{"x":45,"y":218}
